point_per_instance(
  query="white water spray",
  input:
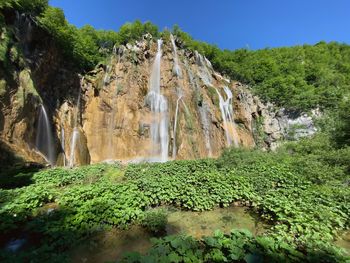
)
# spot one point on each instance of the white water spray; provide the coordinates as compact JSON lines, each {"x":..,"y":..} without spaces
{"x":203,"y":70}
{"x":176,"y":69}
{"x":44,"y":140}
{"x":63,"y":146}
{"x":175,"y":125}
{"x":227,"y":113}
{"x":75,"y":134}
{"x":159,"y":109}
{"x":203,"y":113}
{"x":74,"y":139}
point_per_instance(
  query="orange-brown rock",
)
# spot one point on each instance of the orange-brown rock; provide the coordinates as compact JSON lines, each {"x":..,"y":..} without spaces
{"x":113,"y":118}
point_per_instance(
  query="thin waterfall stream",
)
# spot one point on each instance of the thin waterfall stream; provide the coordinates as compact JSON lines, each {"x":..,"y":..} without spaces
{"x":75,"y":134}
{"x":44,"y":139}
{"x":176,"y":69}
{"x":178,"y":73}
{"x":175,"y":125}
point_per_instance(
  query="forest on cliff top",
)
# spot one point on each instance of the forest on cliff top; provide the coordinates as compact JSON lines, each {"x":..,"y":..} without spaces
{"x":299,"y":78}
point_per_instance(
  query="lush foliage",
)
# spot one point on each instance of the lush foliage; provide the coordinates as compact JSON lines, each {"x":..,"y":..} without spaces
{"x":85,"y":47}
{"x":299,"y":78}
{"x":155,"y":220}
{"x":32,"y":6}
{"x":302,"y":191}
{"x":341,"y":132}
{"x":130,"y":32}
{"x":238,"y":246}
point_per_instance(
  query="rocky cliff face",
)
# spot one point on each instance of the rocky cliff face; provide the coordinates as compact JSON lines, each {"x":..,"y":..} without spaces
{"x":34,"y":74}
{"x":150,"y":102}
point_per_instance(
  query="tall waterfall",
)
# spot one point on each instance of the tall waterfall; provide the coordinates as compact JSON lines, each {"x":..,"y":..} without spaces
{"x":177,"y":72}
{"x":176,"y":69}
{"x":44,"y":139}
{"x":159,"y":109}
{"x":75,"y":134}
{"x":227,"y":113}
{"x":175,"y":125}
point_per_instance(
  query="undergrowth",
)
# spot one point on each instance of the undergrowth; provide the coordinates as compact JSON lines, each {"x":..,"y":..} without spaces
{"x":301,"y":191}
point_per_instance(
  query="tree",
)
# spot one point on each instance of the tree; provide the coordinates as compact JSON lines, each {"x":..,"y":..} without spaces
{"x":341,"y":134}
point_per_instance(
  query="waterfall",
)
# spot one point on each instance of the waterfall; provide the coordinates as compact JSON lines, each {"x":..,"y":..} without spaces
{"x":227,"y":113}
{"x":107,"y":76}
{"x":203,"y":113}
{"x":176,"y":72}
{"x":175,"y":125}
{"x":203,"y":70}
{"x":75,"y":134}
{"x":176,"y":69}
{"x":209,"y":65}
{"x":159,"y":108}
{"x":63,"y":146}
{"x":74,"y":139}
{"x":44,"y":138}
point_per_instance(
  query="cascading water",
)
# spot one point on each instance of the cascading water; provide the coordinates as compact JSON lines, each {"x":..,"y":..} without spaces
{"x":24,"y":29}
{"x":44,"y":138}
{"x":203,"y":114}
{"x":159,"y":109}
{"x":227,"y":113}
{"x":176,"y":69}
{"x":63,"y":146}
{"x":107,"y":76}
{"x":75,"y":134}
{"x":175,"y":125}
{"x":74,"y":139}
{"x":203,"y":71}
{"x":177,"y":72}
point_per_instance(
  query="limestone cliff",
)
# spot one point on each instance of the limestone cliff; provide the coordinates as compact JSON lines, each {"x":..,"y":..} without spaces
{"x":107,"y":113}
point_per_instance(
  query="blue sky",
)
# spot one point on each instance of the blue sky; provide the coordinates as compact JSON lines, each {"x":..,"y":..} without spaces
{"x":230,"y":24}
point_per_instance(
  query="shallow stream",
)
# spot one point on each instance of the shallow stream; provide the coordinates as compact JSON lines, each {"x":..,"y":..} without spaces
{"x":109,"y":246}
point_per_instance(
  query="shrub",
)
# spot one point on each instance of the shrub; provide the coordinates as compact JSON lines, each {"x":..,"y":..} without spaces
{"x":155,"y":221}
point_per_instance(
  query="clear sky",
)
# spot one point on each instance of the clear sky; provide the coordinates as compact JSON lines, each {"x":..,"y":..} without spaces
{"x":230,"y":24}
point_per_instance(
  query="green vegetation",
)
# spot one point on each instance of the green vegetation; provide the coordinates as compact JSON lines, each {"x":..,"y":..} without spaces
{"x":341,"y":132}
{"x":2,"y":87}
{"x":299,"y":78}
{"x":302,"y":191}
{"x":33,"y":7}
{"x":238,"y":246}
{"x":155,"y":220}
{"x":84,"y":47}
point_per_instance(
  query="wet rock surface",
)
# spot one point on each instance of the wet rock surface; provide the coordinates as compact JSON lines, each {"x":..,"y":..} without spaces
{"x":114,"y":119}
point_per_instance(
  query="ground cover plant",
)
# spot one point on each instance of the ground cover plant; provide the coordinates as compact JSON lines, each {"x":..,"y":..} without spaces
{"x":301,"y":191}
